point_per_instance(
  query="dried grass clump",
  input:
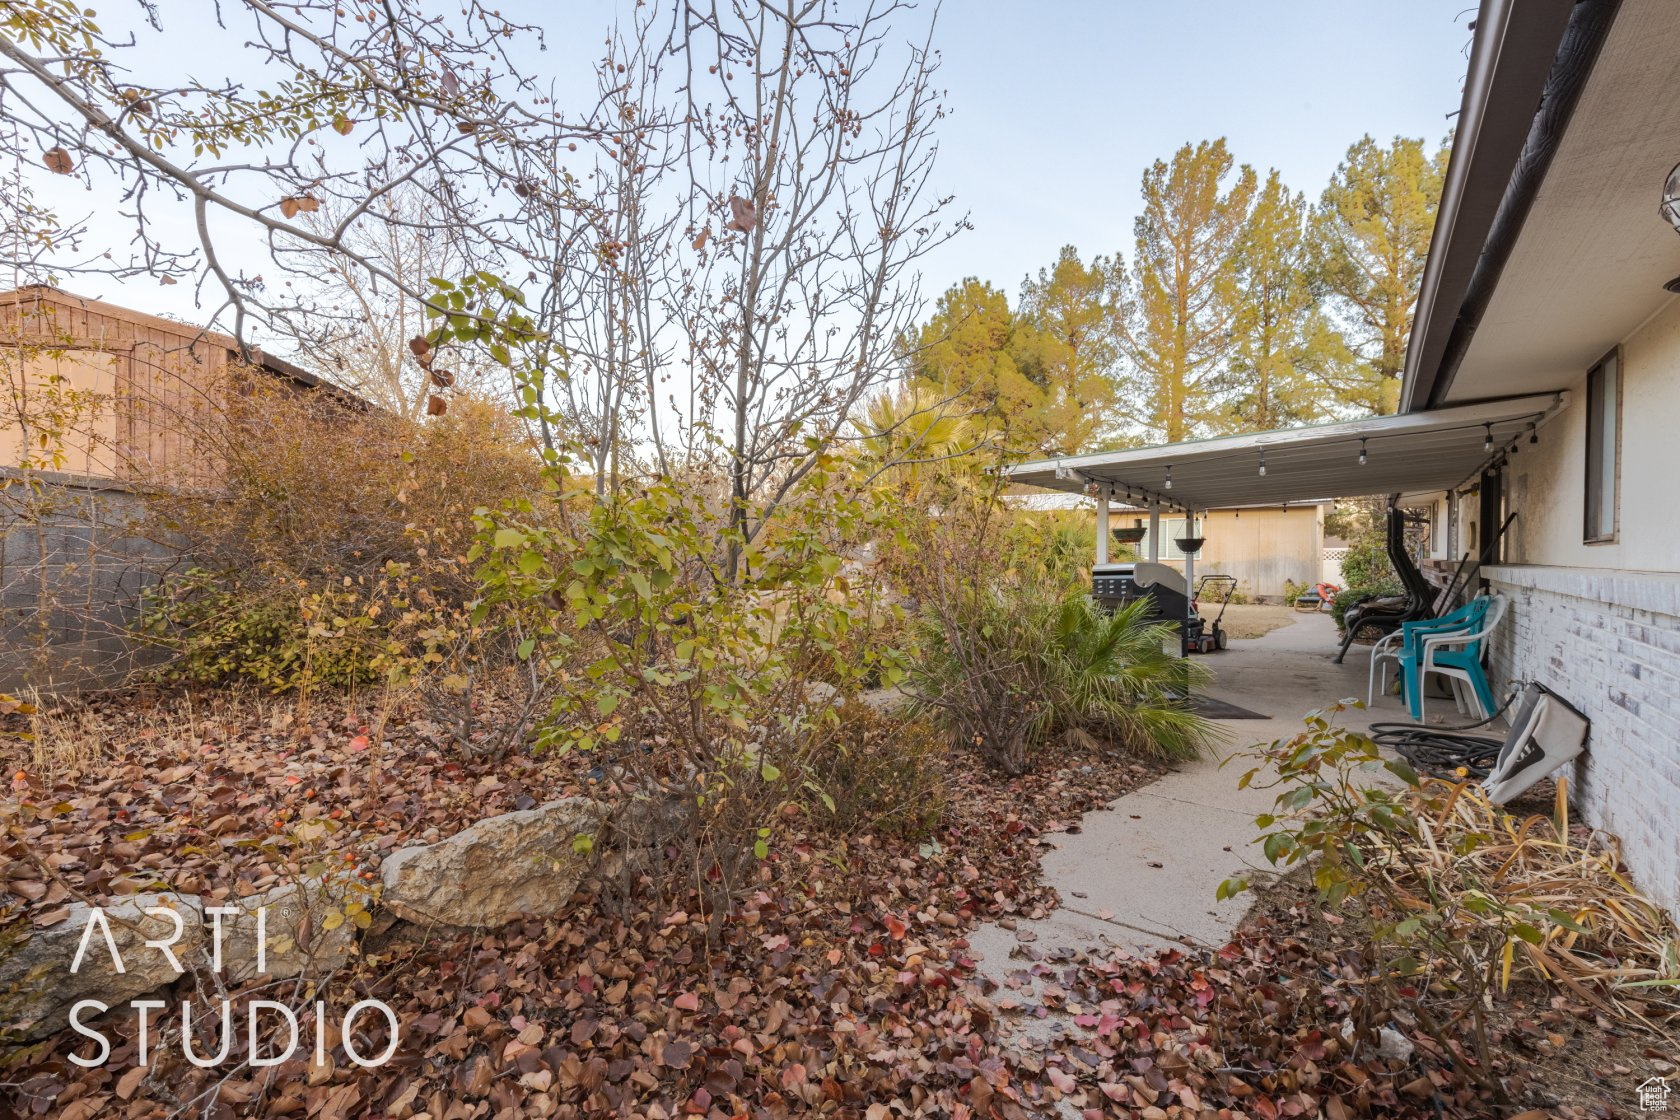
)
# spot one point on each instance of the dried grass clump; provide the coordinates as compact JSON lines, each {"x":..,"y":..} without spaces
{"x":1584,"y":924}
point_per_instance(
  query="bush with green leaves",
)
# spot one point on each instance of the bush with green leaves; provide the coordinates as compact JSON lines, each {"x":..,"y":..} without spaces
{"x":1441,"y":887}
{"x":1009,"y":658}
{"x":1354,"y":594}
{"x":1366,"y":563}
{"x":219,"y":628}
{"x":1119,"y":678}
{"x":713,"y":694}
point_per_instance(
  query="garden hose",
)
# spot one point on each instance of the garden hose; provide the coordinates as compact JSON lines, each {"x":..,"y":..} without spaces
{"x":1444,"y":751}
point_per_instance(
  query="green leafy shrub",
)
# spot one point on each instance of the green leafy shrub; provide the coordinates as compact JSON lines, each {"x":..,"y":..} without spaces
{"x":1350,"y":596}
{"x":1007,"y":658}
{"x":1118,"y":677}
{"x":1366,"y":563}
{"x":714,"y":695}
{"x":220,"y":630}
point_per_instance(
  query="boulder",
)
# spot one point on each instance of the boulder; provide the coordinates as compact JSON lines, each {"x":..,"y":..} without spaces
{"x":38,"y":988}
{"x":297,"y":938}
{"x":517,"y":863}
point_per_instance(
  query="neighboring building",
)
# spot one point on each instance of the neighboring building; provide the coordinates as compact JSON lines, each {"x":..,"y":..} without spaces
{"x":1541,"y":393}
{"x":99,"y":402}
{"x":1263,"y":546}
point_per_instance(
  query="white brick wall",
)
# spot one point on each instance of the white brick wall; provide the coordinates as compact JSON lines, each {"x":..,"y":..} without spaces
{"x":1609,"y":643}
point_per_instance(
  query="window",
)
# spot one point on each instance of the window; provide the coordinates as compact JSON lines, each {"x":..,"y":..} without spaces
{"x":1604,"y":429}
{"x":1171,"y":530}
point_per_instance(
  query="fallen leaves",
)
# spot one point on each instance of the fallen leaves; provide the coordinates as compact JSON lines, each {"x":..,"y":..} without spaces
{"x":843,"y":985}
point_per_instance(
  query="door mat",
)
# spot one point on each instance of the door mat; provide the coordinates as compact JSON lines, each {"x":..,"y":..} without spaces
{"x":1210,"y":708}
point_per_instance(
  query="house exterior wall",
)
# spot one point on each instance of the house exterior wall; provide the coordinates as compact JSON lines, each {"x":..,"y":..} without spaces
{"x":1261,"y":547}
{"x":126,"y":403}
{"x":1599,"y":623}
{"x":161,"y":387}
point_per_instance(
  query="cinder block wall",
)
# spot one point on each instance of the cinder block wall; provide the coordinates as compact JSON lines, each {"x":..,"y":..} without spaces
{"x":1609,"y":643}
{"x":74,"y":566}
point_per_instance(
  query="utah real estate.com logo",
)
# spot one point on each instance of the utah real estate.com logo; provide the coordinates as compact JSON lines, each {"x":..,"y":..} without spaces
{"x":98,"y":924}
{"x":1653,"y":1095}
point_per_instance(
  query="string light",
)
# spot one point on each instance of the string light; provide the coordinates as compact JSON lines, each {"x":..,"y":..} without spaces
{"x":1362,"y":453}
{"x":1262,"y":464}
{"x":1487,"y":440}
{"x":1169,"y":478}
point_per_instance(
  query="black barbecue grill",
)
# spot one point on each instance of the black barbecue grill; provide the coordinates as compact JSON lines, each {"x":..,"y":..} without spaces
{"x":1118,"y":585}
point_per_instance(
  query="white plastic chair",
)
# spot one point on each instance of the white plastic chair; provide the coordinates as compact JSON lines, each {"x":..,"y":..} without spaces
{"x":1467,"y":688}
{"x":1384,"y":653}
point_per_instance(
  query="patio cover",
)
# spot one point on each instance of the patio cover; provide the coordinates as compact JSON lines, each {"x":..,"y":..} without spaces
{"x":1419,"y":451}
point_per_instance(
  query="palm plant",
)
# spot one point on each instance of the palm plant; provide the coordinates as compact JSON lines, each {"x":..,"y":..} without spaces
{"x":1113,"y":677}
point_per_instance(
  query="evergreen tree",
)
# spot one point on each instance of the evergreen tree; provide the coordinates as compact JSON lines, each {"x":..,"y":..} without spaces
{"x":1281,"y":338}
{"x":1370,"y":237}
{"x":1028,"y":389}
{"x":1183,"y":309}
{"x":1067,"y":343}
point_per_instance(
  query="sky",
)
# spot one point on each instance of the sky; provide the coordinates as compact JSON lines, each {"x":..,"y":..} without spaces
{"x":1057,"y":107}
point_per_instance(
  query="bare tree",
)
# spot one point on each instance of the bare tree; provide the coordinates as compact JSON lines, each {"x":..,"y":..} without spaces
{"x":337,"y":107}
{"x":811,"y":205}
{"x":354,"y":327}
{"x":600,"y":245}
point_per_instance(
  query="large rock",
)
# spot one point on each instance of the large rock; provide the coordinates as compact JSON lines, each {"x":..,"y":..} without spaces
{"x":38,"y":988}
{"x":501,"y":867}
{"x":308,"y":930}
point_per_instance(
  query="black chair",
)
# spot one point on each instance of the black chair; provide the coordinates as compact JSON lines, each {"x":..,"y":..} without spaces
{"x":1387,"y":613}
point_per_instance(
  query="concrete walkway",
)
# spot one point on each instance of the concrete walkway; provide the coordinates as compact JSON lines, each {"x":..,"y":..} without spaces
{"x":1142,"y":872}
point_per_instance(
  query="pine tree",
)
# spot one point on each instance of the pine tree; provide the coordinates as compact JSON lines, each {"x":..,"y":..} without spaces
{"x":1183,"y":307}
{"x":1282,"y":341}
{"x":1031,"y":390}
{"x":1067,"y":342}
{"x":1370,"y":238}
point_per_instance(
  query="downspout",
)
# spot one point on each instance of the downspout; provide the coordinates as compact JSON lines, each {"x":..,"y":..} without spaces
{"x":1589,"y":26}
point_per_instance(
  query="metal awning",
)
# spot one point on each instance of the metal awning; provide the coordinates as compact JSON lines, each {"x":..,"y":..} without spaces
{"x":1417,"y":451}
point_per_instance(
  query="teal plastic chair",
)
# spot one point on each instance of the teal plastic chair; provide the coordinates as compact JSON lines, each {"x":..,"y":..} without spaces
{"x":1451,"y":646}
{"x":1389,"y":648}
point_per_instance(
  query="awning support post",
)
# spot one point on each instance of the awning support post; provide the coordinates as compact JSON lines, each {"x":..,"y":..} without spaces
{"x":1154,"y":534}
{"x":1190,"y":563}
{"x":1102,"y":528}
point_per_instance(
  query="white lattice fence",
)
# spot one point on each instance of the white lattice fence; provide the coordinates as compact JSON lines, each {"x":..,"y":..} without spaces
{"x":1333,"y":558}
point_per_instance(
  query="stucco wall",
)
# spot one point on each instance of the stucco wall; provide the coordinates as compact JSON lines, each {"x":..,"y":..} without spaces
{"x":1600,"y":623}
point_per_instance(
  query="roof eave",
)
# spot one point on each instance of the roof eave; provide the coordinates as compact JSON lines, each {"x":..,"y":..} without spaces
{"x":1527,"y":68}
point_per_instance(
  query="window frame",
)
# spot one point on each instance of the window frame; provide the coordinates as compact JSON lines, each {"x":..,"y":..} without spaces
{"x":1597,"y":489}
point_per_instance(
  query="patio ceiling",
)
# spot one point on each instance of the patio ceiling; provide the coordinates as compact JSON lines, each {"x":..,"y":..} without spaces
{"x":1407,"y":453}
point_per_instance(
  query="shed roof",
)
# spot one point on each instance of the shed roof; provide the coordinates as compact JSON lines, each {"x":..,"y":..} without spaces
{"x":189,"y":332}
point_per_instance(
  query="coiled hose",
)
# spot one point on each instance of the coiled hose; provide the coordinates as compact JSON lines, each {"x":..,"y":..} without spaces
{"x":1444,"y":751}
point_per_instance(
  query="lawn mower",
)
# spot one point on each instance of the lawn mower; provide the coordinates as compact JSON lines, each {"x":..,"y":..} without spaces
{"x":1201,"y":636}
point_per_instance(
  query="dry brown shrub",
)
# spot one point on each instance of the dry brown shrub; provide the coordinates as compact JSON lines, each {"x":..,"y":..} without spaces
{"x":332,"y":547}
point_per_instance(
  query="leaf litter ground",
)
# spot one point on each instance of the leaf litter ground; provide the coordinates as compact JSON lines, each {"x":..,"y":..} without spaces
{"x":842,"y":986}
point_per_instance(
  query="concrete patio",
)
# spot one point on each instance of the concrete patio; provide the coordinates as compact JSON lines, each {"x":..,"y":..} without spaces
{"x":1142,"y":872}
